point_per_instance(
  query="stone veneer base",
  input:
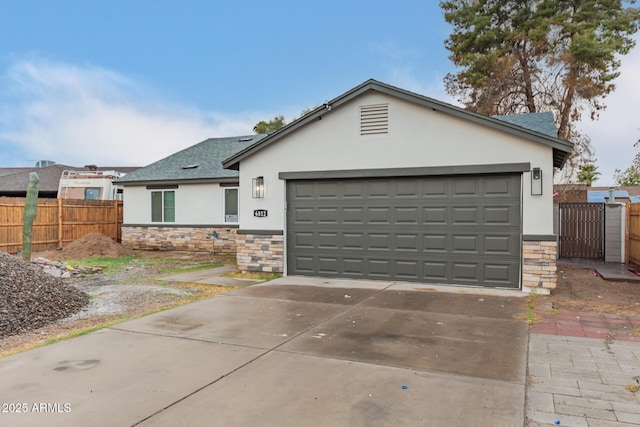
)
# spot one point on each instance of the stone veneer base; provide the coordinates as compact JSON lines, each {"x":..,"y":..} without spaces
{"x":214,"y":239}
{"x":539,"y":266}
{"x":260,"y":252}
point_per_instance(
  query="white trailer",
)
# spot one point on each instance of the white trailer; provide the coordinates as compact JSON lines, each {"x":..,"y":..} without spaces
{"x":89,"y":185}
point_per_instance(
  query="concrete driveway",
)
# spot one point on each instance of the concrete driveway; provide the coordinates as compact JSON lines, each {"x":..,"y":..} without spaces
{"x":293,"y":352}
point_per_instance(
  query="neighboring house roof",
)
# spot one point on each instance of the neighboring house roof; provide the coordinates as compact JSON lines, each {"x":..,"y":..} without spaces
{"x":202,"y":161}
{"x":602,"y":196}
{"x":541,"y":133}
{"x":16,"y":180}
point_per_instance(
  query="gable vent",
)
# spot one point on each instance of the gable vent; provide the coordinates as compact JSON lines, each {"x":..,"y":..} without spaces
{"x":374,"y":119}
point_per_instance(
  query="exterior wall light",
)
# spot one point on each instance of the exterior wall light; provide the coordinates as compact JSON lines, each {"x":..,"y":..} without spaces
{"x":258,"y":187}
{"x":536,"y":182}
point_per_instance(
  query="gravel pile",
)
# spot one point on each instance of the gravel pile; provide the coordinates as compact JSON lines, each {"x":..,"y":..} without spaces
{"x":31,"y":298}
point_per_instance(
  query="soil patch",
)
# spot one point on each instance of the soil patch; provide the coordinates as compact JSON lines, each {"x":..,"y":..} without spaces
{"x":90,"y":245}
{"x":583,"y":289}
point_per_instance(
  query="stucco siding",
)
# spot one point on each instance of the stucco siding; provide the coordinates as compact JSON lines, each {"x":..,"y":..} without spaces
{"x":418,"y":137}
{"x":195,"y":204}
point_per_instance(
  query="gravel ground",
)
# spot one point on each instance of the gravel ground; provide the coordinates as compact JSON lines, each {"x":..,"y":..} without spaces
{"x":30,"y":298}
{"x":106,"y":298}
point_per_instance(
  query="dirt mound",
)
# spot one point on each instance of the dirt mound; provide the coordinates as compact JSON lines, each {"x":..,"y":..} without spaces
{"x":94,"y":244}
{"x":31,"y":298}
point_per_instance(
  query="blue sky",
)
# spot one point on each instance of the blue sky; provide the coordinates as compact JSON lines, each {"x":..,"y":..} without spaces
{"x":129,"y":82}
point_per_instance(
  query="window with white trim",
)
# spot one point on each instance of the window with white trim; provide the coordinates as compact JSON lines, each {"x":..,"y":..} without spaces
{"x":163,"y":206}
{"x":231,"y":205}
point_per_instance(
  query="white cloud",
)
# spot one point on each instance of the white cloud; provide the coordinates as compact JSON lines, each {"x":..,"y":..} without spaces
{"x":618,"y":128}
{"x":79,"y":115}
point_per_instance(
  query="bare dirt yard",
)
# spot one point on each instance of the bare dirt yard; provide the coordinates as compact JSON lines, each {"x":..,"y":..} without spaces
{"x":582,"y":289}
{"x":120,"y":285}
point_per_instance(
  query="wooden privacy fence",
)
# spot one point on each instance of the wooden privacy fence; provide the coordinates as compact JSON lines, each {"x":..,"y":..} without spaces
{"x":633,"y":233}
{"x":581,"y":230}
{"x":58,"y":222}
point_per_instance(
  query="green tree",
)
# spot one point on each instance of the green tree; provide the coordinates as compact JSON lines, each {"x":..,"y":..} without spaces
{"x":588,"y":174}
{"x":270,"y":126}
{"x":539,"y":55}
{"x":631,"y":175}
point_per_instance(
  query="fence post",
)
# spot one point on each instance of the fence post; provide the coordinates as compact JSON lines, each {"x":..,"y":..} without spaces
{"x":115,"y":219}
{"x":60,"y":224}
{"x":627,"y":222}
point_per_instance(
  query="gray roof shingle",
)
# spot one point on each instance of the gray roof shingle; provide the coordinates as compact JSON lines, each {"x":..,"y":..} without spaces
{"x":539,"y":122}
{"x":207,"y":155}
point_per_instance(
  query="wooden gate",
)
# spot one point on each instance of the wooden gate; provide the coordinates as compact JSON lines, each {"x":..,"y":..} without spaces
{"x":582,"y":230}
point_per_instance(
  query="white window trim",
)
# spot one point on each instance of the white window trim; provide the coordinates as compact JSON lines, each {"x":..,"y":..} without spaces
{"x":175,"y":204}
{"x":224,"y":205}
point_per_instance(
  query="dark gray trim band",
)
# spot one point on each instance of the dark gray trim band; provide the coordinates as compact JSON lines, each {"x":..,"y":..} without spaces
{"x":539,"y":237}
{"x":406,"y":172}
{"x":162,"y":187}
{"x":230,"y":184}
{"x":183,"y":225}
{"x":261,"y":232}
{"x":177,"y":181}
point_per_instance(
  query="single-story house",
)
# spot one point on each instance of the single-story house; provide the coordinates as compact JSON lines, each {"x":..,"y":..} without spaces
{"x":379,"y":183}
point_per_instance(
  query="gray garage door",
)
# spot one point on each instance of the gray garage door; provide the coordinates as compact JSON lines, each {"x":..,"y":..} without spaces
{"x":451,"y":230}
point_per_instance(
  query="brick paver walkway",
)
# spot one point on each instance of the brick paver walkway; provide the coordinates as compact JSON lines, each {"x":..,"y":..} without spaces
{"x":589,"y":325}
{"x":581,"y":370}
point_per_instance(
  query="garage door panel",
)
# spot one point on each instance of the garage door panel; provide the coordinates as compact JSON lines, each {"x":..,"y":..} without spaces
{"x":435,"y":215}
{"x":465,"y":187}
{"x":303,"y":216}
{"x":379,"y":189}
{"x":503,"y":245}
{"x":409,"y":215}
{"x":435,"y":188}
{"x":379,"y":268}
{"x":457,"y":230}
{"x":379,"y":242}
{"x":435,"y":271}
{"x":465,"y":244}
{"x":327,"y":190}
{"x":353,"y":216}
{"x":467,"y":215}
{"x":327,"y":215}
{"x":465,"y":271}
{"x":435,"y":243}
{"x":497,"y":215}
{"x":303,"y":240}
{"x":407,"y":243}
{"x":328,"y":240}
{"x":407,"y":189}
{"x":379,"y":215}
{"x":498,"y":186}
{"x":498,"y":273}
{"x":354,"y":190}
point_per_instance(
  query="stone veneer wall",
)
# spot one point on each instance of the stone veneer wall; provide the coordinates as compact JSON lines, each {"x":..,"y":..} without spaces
{"x":185,"y":238}
{"x":260,"y":252}
{"x":539,"y":266}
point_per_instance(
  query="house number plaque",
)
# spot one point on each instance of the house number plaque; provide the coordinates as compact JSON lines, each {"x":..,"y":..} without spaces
{"x":260,"y":213}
